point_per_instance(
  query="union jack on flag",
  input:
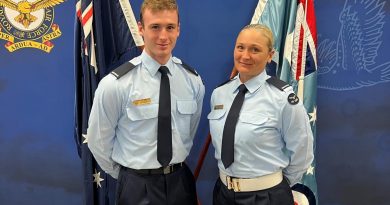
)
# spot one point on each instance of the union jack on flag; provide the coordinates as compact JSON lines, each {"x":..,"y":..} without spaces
{"x":84,"y":12}
{"x":293,"y":24}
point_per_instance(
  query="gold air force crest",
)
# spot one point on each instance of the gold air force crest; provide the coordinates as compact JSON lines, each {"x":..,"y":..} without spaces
{"x":28,"y":24}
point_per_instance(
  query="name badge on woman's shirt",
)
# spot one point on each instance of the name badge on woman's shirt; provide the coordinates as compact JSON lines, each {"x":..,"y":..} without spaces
{"x":218,"y":107}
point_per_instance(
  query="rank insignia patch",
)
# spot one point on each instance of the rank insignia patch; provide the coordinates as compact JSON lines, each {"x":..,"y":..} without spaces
{"x":293,"y":99}
{"x":28,"y":24}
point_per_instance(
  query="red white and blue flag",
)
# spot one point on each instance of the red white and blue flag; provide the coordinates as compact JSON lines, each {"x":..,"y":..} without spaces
{"x":294,"y":27}
{"x":106,"y":35}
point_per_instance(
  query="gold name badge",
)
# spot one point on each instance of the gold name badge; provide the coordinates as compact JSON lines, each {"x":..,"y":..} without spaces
{"x":218,"y":107}
{"x":145,"y":101}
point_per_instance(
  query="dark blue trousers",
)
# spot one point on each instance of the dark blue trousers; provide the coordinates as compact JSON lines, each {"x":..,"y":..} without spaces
{"x":177,"y":188}
{"x":278,"y":195}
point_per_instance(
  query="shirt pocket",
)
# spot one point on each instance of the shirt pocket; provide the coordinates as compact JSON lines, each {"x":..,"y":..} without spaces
{"x":258,"y":130}
{"x":216,"y":122}
{"x":253,"y":118}
{"x":142,"y":112}
{"x":186,"y":107}
{"x":185,"y":110}
{"x":216,"y":114}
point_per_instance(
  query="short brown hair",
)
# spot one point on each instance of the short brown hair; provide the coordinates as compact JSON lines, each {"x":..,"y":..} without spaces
{"x":158,"y":5}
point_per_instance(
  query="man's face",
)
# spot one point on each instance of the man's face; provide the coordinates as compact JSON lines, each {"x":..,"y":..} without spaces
{"x":160,"y":31}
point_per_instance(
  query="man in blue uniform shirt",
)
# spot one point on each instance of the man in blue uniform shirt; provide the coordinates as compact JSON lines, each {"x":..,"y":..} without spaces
{"x":145,"y":115}
{"x":260,"y":130}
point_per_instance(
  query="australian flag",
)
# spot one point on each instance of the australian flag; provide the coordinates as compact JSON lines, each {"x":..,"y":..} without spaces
{"x":106,"y":36}
{"x":293,"y":24}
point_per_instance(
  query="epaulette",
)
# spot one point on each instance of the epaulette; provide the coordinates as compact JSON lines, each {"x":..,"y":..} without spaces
{"x":122,"y":69}
{"x":187,"y":67}
{"x":280,"y":84}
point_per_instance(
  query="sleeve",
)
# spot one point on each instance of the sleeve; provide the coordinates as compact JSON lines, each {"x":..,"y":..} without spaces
{"x":298,"y":137}
{"x":105,"y":113}
{"x":199,"y":103}
{"x":212,"y":101}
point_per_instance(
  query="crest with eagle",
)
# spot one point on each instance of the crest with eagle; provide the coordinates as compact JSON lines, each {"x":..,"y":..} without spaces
{"x":25,"y":8}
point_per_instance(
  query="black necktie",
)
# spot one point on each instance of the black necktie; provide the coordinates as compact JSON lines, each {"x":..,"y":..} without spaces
{"x":164,"y":129}
{"x":229,"y":129}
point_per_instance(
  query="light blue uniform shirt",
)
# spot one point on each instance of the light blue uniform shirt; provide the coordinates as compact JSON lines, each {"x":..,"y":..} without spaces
{"x":123,"y":121}
{"x":271,"y":134}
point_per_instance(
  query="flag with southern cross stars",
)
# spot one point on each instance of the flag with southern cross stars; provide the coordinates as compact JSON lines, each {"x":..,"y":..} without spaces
{"x":106,"y":35}
{"x":294,"y":27}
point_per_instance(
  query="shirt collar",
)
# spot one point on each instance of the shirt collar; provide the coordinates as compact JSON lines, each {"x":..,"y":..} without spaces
{"x":253,"y":84}
{"x":152,"y":65}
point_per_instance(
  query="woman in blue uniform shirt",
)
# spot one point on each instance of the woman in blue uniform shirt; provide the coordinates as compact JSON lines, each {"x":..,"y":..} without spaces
{"x":260,"y":130}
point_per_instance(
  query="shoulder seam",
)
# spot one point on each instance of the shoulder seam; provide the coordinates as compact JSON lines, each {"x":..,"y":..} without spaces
{"x":225,"y":82}
{"x":189,"y":68}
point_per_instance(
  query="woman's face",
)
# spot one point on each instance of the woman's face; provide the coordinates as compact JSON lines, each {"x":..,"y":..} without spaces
{"x":251,"y":53}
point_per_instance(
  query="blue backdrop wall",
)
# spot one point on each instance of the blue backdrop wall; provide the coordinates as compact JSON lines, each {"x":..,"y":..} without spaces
{"x":38,"y":157}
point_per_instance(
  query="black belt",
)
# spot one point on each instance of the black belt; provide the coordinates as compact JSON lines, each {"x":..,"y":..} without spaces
{"x":162,"y":170}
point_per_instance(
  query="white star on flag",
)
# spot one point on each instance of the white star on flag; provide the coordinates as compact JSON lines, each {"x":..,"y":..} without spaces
{"x":313,"y":115}
{"x":97,"y":179}
{"x":310,"y":170}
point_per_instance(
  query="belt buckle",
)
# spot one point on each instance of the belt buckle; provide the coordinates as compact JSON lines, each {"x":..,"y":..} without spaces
{"x":233,"y":183}
{"x":236,"y":185}
{"x":167,"y":169}
{"x":229,"y":182}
